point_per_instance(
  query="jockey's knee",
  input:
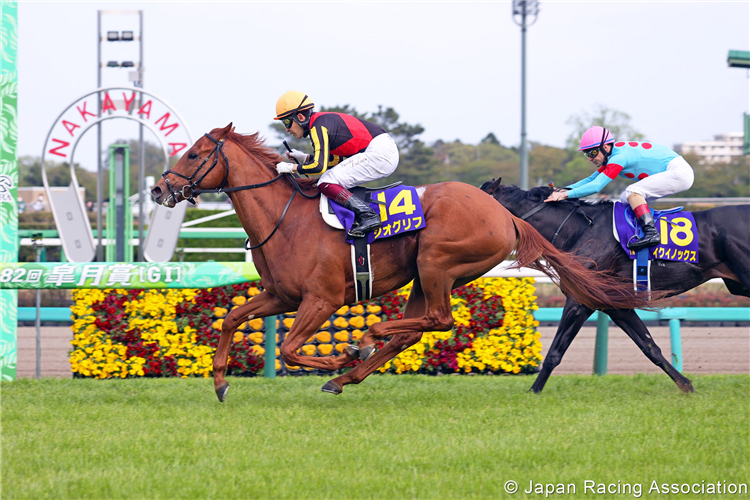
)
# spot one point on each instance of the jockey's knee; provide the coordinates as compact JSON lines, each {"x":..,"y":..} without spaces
{"x":635,"y":199}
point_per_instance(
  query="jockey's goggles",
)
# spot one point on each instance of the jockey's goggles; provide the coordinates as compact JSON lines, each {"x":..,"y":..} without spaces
{"x":591,"y":153}
{"x":287,"y":121}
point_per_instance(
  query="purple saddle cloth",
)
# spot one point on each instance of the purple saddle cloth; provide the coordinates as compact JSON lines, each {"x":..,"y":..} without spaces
{"x":679,"y":235}
{"x":399,"y":208}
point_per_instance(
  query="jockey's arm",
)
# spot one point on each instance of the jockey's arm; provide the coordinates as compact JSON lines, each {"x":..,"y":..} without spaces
{"x":584,"y":181}
{"x":320,"y":159}
{"x":601,"y":178}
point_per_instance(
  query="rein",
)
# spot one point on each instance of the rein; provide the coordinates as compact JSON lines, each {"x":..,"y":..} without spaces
{"x":194,"y":190}
{"x":542,"y":205}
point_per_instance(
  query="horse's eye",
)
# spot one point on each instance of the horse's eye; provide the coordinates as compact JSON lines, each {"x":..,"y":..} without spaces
{"x":192,"y":156}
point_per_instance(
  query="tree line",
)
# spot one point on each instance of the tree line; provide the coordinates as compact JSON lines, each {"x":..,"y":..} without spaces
{"x":422,"y":163}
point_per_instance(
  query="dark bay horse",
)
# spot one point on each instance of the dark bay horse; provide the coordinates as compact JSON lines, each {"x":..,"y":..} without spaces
{"x":724,"y":245}
{"x":305,"y":265}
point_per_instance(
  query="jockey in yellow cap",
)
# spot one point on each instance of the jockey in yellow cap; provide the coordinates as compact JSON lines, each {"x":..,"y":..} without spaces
{"x":359,"y":150}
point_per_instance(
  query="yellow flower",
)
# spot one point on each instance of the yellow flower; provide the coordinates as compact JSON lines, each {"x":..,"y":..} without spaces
{"x":342,"y":310}
{"x":342,"y":336}
{"x":341,"y":323}
{"x":325,"y":349}
{"x":256,"y":324}
{"x":372,"y":319}
{"x":239,"y":300}
{"x":356,"y":322}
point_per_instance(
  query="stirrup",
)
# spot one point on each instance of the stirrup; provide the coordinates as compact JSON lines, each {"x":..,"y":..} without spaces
{"x":360,"y":229}
{"x":645,"y":243}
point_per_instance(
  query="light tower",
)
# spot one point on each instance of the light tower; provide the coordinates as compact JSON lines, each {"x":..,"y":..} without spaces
{"x":523,"y":9}
{"x":135,"y":75}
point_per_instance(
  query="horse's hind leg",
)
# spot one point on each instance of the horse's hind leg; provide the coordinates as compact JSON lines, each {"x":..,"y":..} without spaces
{"x":414,"y":308}
{"x":265,"y":304}
{"x":631,"y":324}
{"x":311,"y":315}
{"x":420,"y":315}
{"x":398,"y":343}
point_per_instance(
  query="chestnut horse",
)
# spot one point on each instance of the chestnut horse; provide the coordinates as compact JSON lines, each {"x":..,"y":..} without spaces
{"x":305,"y":265}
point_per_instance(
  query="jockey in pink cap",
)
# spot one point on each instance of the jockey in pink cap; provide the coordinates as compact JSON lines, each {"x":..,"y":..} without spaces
{"x":659,"y":170}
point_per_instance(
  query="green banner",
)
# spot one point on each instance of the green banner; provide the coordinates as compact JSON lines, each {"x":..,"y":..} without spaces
{"x":57,"y":275}
{"x":8,"y":181}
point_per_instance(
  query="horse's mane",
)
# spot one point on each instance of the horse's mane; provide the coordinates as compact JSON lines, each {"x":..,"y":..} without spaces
{"x":514,"y":194}
{"x":254,"y":145}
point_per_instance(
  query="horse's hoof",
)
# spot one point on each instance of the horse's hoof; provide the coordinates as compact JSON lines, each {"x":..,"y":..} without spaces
{"x":687,"y":388}
{"x":366,"y":352}
{"x":352,"y":350}
{"x":221,"y":392}
{"x":331,"y":387}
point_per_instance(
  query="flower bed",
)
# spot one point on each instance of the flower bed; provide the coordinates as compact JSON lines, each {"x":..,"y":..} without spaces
{"x":137,"y":333}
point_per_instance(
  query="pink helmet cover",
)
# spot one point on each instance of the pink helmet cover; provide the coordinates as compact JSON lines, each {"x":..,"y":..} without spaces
{"x":595,"y":137}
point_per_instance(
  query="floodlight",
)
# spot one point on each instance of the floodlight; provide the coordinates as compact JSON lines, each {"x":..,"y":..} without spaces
{"x":113,"y":64}
{"x":127,"y":64}
{"x":127,"y":36}
{"x":113,"y":36}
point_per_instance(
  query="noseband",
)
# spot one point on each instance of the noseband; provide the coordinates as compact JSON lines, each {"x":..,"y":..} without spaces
{"x":193,"y":190}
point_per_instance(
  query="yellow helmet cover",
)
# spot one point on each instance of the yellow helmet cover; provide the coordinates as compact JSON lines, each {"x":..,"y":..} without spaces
{"x":292,"y":102}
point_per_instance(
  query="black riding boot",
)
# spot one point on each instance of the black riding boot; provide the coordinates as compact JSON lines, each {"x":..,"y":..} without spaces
{"x":650,"y":234}
{"x":365,"y":219}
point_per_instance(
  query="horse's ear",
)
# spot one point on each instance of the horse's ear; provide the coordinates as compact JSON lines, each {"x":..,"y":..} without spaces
{"x":495,"y":185}
{"x":225,"y":131}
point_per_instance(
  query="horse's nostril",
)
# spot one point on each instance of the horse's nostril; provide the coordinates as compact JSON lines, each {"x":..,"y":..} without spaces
{"x":155,"y":191}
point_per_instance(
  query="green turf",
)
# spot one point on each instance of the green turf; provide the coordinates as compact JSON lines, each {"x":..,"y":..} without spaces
{"x":390,"y":437}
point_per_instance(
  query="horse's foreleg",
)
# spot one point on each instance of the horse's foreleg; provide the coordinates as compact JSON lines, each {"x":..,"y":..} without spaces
{"x":631,"y":324}
{"x":265,"y":304}
{"x":573,"y":317}
{"x":310,"y":317}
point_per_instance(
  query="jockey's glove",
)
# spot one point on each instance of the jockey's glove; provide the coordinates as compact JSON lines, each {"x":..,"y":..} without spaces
{"x":285,"y":168}
{"x":297,"y":155}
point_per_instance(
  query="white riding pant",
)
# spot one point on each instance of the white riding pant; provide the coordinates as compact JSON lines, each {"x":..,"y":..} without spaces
{"x":379,"y":160}
{"x":678,"y":176}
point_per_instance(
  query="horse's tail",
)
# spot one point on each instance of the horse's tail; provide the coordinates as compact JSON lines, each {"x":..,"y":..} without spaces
{"x":592,"y":288}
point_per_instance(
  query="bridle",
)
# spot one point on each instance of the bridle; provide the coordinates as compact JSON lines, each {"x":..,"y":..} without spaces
{"x":542,"y":205}
{"x":193,"y":184}
{"x":193,"y":189}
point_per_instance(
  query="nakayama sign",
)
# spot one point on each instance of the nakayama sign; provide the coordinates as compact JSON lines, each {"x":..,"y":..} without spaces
{"x":81,"y":115}
{"x":117,"y":102}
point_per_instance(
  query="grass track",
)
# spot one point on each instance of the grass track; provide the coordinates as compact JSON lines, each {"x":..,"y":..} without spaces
{"x":391,"y":437}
